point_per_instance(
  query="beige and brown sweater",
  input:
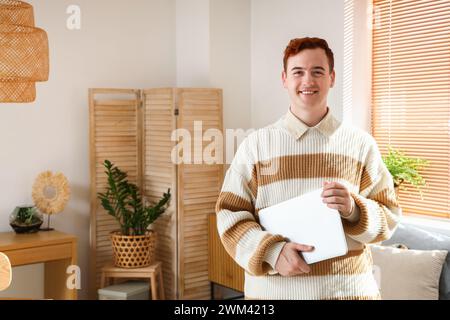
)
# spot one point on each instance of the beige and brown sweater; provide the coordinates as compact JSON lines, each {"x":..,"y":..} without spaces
{"x":288,"y":159}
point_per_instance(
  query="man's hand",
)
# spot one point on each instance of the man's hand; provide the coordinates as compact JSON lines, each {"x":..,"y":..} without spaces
{"x":337,"y":196}
{"x":290,"y":261}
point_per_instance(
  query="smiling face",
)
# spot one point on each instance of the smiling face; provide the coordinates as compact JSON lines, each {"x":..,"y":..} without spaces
{"x":307,"y":79}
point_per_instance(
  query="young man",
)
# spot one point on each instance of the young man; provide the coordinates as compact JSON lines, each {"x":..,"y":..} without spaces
{"x":310,"y":150}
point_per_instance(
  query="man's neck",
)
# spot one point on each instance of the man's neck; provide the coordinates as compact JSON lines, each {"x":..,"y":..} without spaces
{"x":312,"y":118}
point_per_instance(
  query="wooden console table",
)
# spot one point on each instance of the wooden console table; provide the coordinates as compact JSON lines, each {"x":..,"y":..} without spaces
{"x":55,"y":249}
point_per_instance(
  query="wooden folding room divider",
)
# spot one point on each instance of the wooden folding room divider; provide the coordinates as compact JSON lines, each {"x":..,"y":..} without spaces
{"x":133,"y":129}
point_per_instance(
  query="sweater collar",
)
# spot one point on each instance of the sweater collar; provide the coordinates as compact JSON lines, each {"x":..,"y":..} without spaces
{"x":327,"y":126}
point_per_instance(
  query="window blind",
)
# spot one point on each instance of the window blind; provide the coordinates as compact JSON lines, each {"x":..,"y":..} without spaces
{"x":411,"y":93}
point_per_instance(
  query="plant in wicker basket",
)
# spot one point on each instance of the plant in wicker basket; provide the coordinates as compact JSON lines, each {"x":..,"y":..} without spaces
{"x":134,"y":244}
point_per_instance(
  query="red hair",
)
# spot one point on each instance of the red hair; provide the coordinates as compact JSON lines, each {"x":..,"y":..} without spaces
{"x":298,"y":44}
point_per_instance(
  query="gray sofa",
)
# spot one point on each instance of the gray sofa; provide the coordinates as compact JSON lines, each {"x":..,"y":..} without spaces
{"x":420,"y":239}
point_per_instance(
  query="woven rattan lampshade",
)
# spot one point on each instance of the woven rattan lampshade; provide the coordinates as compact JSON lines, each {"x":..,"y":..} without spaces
{"x":16,"y":12}
{"x":24,"y":55}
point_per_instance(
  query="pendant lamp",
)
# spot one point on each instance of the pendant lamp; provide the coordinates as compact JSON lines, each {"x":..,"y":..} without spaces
{"x":23,"y":52}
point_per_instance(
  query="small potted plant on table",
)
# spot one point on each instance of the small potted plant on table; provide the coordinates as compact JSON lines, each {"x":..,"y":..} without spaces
{"x":25,"y":219}
{"x":134,"y":244}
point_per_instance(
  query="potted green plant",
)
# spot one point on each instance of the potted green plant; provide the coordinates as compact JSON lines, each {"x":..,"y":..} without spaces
{"x":134,"y":244}
{"x":405,"y":169}
{"x":25,"y":219}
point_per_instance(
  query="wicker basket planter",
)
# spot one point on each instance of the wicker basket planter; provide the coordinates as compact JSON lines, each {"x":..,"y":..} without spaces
{"x":133,"y":251}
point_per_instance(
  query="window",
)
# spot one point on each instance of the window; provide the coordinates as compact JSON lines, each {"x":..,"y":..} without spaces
{"x":411,"y":93}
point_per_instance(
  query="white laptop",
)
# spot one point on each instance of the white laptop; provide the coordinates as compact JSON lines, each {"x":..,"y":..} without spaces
{"x":307,"y":220}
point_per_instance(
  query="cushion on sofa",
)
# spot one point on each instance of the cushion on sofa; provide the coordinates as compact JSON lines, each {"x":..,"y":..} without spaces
{"x":419,"y":239}
{"x":408,"y":274}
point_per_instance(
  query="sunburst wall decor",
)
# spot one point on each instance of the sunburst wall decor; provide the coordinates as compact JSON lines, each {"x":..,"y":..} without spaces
{"x":51,"y":192}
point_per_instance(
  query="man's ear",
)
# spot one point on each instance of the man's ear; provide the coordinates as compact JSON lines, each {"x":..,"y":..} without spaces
{"x":283,"y":78}
{"x":333,"y":78}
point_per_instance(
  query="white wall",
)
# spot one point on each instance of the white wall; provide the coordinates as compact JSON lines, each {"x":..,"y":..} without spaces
{"x":361,"y":66}
{"x":213,"y":50}
{"x":120,"y":44}
{"x":230,"y":65}
{"x":230,"y":59}
{"x":192,"y":43}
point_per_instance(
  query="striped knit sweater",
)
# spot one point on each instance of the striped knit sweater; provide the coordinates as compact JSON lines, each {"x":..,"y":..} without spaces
{"x":288,"y":159}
